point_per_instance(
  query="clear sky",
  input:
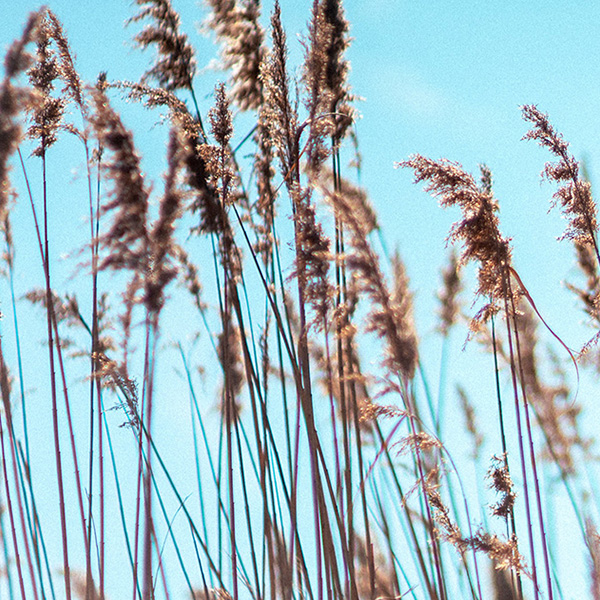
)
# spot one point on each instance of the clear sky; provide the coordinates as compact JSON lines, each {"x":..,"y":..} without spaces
{"x":443,"y":79}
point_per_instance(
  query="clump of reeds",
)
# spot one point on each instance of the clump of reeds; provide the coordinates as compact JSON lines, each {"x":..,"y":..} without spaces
{"x":270,"y":486}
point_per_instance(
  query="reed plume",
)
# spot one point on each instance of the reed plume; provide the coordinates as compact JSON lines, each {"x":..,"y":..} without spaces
{"x":478,"y":230}
{"x":127,"y":240}
{"x":46,"y":110}
{"x":65,"y":62}
{"x":574,"y":194}
{"x":175,"y":65}
{"x":12,"y":101}
{"x":391,"y":317}
{"x":448,"y":296}
{"x":162,"y":243}
{"x":237,"y":26}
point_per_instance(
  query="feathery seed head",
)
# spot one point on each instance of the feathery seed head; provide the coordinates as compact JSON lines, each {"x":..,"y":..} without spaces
{"x":448,"y":295}
{"x":502,"y":483}
{"x":573,"y":194}
{"x":278,"y":115}
{"x":127,"y":239}
{"x":237,"y":26}
{"x":391,"y":316}
{"x":220,"y":117}
{"x":66,"y":62}
{"x":478,"y":230}
{"x":162,"y":243}
{"x":13,"y":99}
{"x":46,"y":111}
{"x":175,"y":66}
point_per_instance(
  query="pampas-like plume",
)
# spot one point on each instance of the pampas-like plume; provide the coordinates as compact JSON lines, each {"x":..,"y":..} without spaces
{"x":504,"y":553}
{"x":325,"y":74}
{"x":152,"y":97}
{"x":46,"y":111}
{"x":66,"y":63}
{"x":478,"y":230}
{"x":238,"y":28}
{"x":280,"y":120}
{"x":162,"y":244}
{"x":357,"y":196}
{"x":448,"y":296}
{"x":127,"y":239}
{"x":175,"y":66}
{"x":392,"y":316}
{"x":279,"y":116}
{"x":12,"y":100}
{"x":502,"y":483}
{"x":221,"y":177}
{"x":115,"y":376}
{"x":574,"y":194}
{"x":193,"y":140}
{"x":313,"y":257}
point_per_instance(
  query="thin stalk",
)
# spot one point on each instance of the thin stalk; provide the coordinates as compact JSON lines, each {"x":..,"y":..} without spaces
{"x":51,"y":342}
{"x":513,"y":370}
{"x":120,"y":501}
{"x":532,"y":457}
{"x":512,"y":528}
{"x":11,"y":516}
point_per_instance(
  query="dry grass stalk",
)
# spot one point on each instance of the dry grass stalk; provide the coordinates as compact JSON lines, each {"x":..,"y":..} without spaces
{"x":478,"y":230}
{"x":127,"y":239}
{"x":237,"y":26}
{"x":13,"y":100}
{"x":471,"y":425}
{"x":391,"y":318}
{"x":502,"y":483}
{"x":449,"y":310}
{"x":574,"y":194}
{"x":175,"y":65}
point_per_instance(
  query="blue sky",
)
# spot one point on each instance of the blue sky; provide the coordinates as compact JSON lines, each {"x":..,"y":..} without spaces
{"x":443,"y":79}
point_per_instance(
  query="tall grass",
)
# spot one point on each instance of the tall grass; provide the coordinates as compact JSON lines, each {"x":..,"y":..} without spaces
{"x":233,"y":402}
